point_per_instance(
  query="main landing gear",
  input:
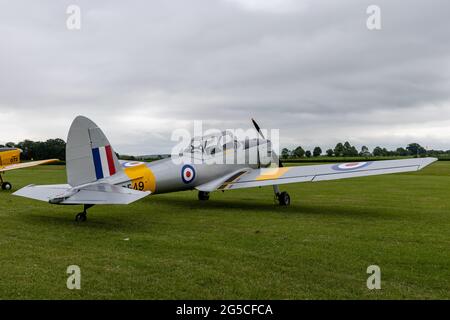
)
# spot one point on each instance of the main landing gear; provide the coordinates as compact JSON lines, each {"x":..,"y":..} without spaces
{"x":82,"y":216}
{"x":283,"y":198}
{"x":203,"y":195}
{"x":5,"y":185}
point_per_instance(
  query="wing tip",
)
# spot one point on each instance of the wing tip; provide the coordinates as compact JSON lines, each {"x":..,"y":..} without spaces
{"x":426,"y":162}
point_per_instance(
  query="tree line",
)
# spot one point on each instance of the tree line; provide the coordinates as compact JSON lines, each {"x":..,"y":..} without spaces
{"x":40,"y":150}
{"x":347,"y":150}
{"x":55,"y":149}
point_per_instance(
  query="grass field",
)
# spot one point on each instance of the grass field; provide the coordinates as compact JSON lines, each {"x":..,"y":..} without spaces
{"x":237,"y":245}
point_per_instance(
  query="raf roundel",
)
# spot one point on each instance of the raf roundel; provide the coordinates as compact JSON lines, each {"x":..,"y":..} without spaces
{"x":187,"y":173}
{"x":350,"y":166}
{"x":132,"y":164}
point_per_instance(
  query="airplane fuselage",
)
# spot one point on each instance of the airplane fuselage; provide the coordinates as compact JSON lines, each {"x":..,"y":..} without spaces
{"x":9,"y":156}
{"x":179,"y":173}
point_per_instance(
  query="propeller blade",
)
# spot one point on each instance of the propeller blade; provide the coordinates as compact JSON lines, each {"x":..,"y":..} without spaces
{"x":258,"y":128}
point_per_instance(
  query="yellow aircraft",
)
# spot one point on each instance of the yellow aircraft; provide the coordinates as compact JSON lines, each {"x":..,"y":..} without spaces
{"x":10,"y":160}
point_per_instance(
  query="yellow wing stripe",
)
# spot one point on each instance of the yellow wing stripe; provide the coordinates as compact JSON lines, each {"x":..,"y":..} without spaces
{"x":272,"y":173}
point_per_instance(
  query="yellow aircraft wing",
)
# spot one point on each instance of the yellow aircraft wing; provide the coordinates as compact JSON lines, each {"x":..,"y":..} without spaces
{"x":26,"y":164}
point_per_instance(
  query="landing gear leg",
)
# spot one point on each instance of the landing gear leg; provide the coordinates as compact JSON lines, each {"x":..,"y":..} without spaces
{"x":82,"y":216}
{"x":203,"y":195}
{"x":5,"y":185}
{"x":283,"y":198}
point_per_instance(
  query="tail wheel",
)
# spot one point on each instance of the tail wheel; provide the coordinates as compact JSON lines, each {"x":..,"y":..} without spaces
{"x":6,"y":186}
{"x":284,"y":199}
{"x":82,"y":216}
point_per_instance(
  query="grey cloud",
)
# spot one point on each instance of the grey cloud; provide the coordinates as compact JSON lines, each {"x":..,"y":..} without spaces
{"x":314,"y":70}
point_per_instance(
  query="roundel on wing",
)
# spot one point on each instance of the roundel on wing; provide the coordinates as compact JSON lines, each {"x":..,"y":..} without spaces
{"x":187,"y":173}
{"x":350,"y":166}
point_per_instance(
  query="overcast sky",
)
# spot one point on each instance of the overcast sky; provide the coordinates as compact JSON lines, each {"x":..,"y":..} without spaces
{"x":311,"y":68}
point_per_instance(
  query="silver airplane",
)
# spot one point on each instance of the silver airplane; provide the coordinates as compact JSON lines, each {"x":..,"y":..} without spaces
{"x":96,"y":176}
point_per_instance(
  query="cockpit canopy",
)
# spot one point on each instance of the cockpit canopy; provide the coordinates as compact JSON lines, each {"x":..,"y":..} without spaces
{"x":219,"y":142}
{"x":212,"y":143}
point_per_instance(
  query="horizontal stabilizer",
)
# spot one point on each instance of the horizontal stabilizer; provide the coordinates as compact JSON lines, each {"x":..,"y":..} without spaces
{"x":97,"y":193}
{"x":42,"y":193}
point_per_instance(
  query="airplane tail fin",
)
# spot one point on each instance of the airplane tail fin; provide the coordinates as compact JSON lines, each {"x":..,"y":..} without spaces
{"x":89,"y":159}
{"x":89,"y":155}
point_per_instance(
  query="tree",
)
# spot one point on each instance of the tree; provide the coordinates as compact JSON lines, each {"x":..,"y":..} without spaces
{"x":365,"y":152}
{"x":299,"y":152}
{"x":353,"y":152}
{"x":285,"y":153}
{"x":317,"y":151}
{"x":416,"y":149}
{"x":330,"y":152}
{"x":308,"y":153}
{"x":349,"y":150}
{"x":339,"y":150}
{"x":55,"y":148}
{"x":377,"y":152}
{"x":38,"y":150}
{"x":401,"y":152}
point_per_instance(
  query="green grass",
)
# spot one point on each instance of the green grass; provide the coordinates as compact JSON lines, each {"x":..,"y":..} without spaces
{"x":237,"y":245}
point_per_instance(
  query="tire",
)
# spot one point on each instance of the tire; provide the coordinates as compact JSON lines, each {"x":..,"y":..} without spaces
{"x":6,"y":186}
{"x":203,"y":196}
{"x":284,"y":199}
{"x":81,"y":217}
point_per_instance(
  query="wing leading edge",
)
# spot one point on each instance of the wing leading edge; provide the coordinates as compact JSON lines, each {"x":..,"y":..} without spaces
{"x":26,"y":164}
{"x":284,"y":175}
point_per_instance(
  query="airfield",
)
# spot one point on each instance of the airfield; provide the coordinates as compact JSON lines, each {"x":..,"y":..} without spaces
{"x":237,"y":245}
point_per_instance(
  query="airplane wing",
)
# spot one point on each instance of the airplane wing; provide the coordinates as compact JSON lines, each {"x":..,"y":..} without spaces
{"x":275,"y":176}
{"x":104,"y":193}
{"x":222,"y":182}
{"x":98,"y":193}
{"x":25,"y":164}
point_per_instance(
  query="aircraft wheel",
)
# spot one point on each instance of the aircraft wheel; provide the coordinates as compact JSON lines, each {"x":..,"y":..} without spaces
{"x":203,"y":195}
{"x":284,"y":199}
{"x":81,"y":217}
{"x":6,"y":186}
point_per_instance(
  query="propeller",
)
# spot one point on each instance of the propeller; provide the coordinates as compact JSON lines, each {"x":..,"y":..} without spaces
{"x":258,"y":129}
